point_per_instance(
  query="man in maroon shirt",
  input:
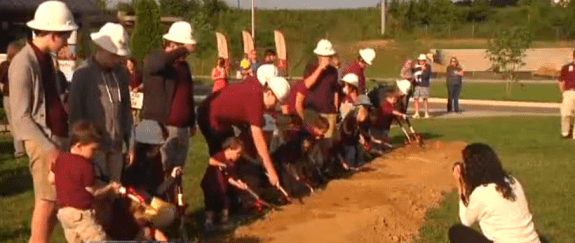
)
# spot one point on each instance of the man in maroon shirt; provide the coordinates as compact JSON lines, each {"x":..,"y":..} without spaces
{"x":294,"y":102}
{"x":169,"y":93}
{"x":364,"y":60}
{"x":37,"y":111}
{"x":567,"y":89}
{"x":241,"y":105}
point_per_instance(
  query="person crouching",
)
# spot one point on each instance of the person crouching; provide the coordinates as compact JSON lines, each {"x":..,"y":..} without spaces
{"x":220,"y":172}
{"x":382,"y":119}
{"x":73,"y":176}
{"x":354,"y":132}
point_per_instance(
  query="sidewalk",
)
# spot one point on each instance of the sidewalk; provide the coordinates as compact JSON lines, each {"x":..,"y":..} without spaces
{"x":526,"y":104}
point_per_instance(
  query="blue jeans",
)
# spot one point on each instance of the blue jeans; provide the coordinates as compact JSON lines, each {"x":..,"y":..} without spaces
{"x":353,"y":155}
{"x":453,"y":91}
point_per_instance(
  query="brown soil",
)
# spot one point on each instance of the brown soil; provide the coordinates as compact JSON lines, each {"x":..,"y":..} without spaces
{"x":385,"y":205}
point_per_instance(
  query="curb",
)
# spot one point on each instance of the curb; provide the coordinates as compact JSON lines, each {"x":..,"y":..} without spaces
{"x":500,"y":103}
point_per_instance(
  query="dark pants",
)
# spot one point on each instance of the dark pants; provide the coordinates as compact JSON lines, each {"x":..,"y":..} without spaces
{"x":216,"y":190}
{"x":214,"y":138}
{"x":453,"y":91}
{"x":461,"y":233}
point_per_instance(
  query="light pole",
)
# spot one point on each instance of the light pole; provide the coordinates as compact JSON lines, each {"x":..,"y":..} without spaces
{"x":254,"y":20}
{"x":382,"y":17}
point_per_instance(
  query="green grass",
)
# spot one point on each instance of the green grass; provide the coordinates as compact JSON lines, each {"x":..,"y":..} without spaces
{"x":529,"y":147}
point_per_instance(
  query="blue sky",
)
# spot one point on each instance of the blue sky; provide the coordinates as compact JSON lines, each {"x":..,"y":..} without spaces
{"x":293,"y":4}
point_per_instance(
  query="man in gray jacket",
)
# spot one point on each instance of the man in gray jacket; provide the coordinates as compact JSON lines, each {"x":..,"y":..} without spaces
{"x":38,"y":113}
{"x":100,"y":94}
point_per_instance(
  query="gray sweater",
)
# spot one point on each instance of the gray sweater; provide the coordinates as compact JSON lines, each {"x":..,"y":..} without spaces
{"x":103,"y":97}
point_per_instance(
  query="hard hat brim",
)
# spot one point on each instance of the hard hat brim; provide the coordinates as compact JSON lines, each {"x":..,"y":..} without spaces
{"x":179,"y":40}
{"x":106,"y":44}
{"x":64,"y":28}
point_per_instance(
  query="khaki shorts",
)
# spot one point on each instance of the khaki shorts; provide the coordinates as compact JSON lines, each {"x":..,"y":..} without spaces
{"x":80,"y":225}
{"x":39,"y":169}
{"x":332,"y":119}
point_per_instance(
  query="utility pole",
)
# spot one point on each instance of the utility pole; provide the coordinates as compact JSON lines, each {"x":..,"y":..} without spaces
{"x":238,"y":4}
{"x":254,"y":20}
{"x":383,"y":17}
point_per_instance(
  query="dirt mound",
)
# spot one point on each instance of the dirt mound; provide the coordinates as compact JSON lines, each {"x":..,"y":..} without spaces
{"x":385,"y":205}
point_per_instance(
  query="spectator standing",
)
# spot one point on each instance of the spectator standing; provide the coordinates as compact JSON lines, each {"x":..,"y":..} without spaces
{"x":241,"y":105}
{"x":422,"y":83}
{"x":219,"y":75}
{"x":169,"y":93}
{"x":567,"y":89}
{"x":407,"y":74}
{"x":268,"y":68}
{"x":13,"y":49}
{"x":492,"y":198}
{"x":323,"y":88}
{"x":250,"y":64}
{"x":100,"y":94}
{"x":37,"y":110}
{"x":364,"y":60}
{"x":136,"y":84}
{"x":454,"y":75}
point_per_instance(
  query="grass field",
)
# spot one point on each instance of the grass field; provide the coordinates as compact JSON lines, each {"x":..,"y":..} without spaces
{"x":496,"y":91}
{"x":529,"y":148}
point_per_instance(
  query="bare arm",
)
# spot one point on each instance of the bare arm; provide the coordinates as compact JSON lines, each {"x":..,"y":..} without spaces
{"x":312,"y":79}
{"x":214,"y":162}
{"x":299,"y":99}
{"x":561,"y":84}
{"x":101,"y":192}
{"x":263,"y":152}
{"x":238,"y":184}
{"x":284,"y":109}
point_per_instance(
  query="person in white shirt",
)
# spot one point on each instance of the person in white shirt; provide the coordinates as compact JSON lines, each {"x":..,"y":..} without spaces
{"x":491,"y":197}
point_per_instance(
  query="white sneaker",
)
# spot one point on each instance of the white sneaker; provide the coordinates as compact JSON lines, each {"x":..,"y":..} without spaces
{"x":427,"y":115}
{"x":416,"y":116}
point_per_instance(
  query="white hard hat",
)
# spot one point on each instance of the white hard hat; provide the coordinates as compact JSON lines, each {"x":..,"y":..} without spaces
{"x":112,"y":38}
{"x":367,"y":55}
{"x":180,"y":32}
{"x":266,"y":72}
{"x":324,"y":48}
{"x":422,"y":57}
{"x":351,"y":78}
{"x":53,"y":16}
{"x":280,"y":87}
{"x":403,"y":86}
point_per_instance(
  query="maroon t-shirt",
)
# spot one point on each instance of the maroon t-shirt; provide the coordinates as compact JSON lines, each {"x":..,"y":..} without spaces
{"x":73,"y":173}
{"x":300,"y":88}
{"x":230,"y":169}
{"x":56,"y":115}
{"x":385,"y":116}
{"x":135,"y":80}
{"x":356,"y":69}
{"x":240,"y":104}
{"x":321,"y":96}
{"x":568,"y":76}
{"x":181,"y":108}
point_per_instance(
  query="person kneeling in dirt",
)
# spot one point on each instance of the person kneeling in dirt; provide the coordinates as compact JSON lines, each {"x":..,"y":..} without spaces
{"x":381,"y":119}
{"x":295,"y":170}
{"x":76,"y":192}
{"x":354,"y":131}
{"x":220,"y":172}
{"x":491,"y":197}
{"x":351,"y":92}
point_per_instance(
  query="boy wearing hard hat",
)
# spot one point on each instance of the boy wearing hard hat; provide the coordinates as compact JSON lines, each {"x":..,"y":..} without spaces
{"x":100,"y":94}
{"x":242,"y":105}
{"x":364,"y":60}
{"x":169,"y":93}
{"x":38,"y":113}
{"x":351,"y":92}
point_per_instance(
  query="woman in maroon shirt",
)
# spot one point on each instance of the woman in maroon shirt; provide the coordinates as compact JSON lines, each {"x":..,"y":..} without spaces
{"x":135,"y":76}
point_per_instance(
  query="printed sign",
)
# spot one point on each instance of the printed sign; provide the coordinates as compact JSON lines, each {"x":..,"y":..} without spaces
{"x":137,"y":100}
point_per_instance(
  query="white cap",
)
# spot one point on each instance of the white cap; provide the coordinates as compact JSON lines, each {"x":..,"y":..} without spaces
{"x":280,"y":87}
{"x":351,"y":78}
{"x":180,"y":32}
{"x":266,"y":72}
{"x":367,"y":55}
{"x":149,"y":132}
{"x":53,"y":16}
{"x":112,"y":38}
{"x":403,"y":86}
{"x":422,"y":57}
{"x":324,"y":48}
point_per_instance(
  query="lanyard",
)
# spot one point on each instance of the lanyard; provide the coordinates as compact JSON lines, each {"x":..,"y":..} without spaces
{"x":108,"y":88}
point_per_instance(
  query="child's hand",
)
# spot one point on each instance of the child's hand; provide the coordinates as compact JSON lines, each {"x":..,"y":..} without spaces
{"x":242,"y":185}
{"x":115,"y":187}
{"x":177,"y":170}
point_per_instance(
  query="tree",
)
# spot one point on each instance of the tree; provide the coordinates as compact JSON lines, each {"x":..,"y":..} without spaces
{"x":507,"y":52}
{"x":147,"y":35}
